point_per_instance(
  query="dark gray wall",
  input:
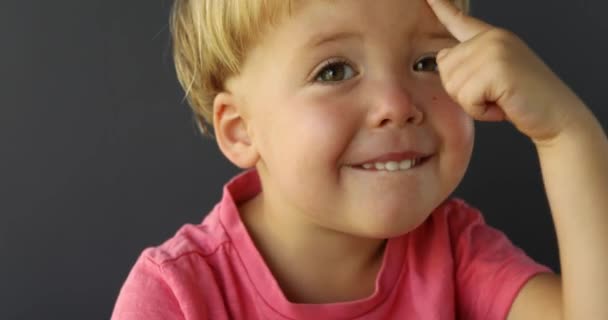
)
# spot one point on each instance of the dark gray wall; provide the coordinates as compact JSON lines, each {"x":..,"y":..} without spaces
{"x":99,"y":158}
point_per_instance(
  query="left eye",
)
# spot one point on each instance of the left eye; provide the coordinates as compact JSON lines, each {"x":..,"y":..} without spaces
{"x":429,"y":63}
{"x":334,"y":72}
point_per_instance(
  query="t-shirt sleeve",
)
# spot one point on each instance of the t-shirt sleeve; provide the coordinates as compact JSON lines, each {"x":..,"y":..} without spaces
{"x":146,"y":294}
{"x":490,"y":270}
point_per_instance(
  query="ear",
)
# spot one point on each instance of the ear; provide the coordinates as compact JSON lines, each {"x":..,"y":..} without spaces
{"x":231,"y":132}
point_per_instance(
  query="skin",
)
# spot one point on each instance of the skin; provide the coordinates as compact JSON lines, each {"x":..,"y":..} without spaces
{"x":494,"y":76}
{"x":294,"y":130}
{"x":303,"y":134}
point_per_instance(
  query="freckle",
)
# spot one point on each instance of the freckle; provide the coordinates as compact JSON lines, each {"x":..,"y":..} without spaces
{"x":434,"y":98}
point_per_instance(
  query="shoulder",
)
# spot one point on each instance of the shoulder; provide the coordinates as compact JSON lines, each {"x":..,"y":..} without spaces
{"x":201,"y":240}
{"x":182,"y":271}
{"x":489,"y":269}
{"x":475,"y":244}
{"x":469,"y":233}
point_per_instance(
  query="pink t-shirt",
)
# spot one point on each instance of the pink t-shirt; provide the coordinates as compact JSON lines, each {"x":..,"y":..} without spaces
{"x":453,"y":266}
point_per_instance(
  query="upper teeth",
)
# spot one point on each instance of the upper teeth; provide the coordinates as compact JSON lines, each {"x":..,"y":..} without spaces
{"x":391,"y":165}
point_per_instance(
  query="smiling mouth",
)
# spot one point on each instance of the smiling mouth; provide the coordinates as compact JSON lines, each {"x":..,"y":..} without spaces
{"x":392,"y":166}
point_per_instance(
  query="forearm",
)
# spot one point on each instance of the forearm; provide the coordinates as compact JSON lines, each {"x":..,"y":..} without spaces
{"x":575,"y":173}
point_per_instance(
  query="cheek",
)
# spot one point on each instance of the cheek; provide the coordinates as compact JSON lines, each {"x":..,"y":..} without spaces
{"x":305,"y":143}
{"x":304,"y":136}
{"x":455,"y":128}
{"x":323,"y":129}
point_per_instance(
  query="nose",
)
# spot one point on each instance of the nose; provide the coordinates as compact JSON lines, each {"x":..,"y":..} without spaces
{"x":394,"y":106}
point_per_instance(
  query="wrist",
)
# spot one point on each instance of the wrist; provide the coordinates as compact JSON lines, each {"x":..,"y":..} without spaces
{"x":578,"y":126}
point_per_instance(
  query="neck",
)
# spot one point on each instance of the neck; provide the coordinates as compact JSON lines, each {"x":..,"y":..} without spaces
{"x":311,"y":263}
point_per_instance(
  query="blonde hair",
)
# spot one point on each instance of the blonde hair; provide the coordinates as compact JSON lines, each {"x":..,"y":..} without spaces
{"x":211,"y":39}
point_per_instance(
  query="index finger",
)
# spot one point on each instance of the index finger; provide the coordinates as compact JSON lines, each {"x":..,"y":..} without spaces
{"x":462,"y":26}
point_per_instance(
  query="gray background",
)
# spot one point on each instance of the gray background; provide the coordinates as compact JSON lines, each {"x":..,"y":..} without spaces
{"x":99,"y":158}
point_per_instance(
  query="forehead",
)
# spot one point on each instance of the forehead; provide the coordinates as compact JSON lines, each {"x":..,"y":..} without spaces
{"x":317,"y":21}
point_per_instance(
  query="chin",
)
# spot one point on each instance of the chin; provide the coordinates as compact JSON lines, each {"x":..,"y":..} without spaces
{"x":389,"y":223}
{"x":389,"y":231}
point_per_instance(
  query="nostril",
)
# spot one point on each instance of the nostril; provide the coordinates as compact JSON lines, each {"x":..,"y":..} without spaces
{"x":416,"y":117}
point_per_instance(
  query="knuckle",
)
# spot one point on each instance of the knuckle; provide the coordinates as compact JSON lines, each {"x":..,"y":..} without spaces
{"x":500,"y":39}
{"x":463,"y":97}
{"x":460,"y":15}
{"x":498,"y":48}
{"x":498,"y":65}
{"x":450,"y":88}
{"x":500,"y":34}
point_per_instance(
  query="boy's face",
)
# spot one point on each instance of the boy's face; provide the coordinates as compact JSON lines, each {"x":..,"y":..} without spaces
{"x":338,"y":84}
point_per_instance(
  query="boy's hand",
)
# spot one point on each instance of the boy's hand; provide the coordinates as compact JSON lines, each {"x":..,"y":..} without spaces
{"x":494,"y":76}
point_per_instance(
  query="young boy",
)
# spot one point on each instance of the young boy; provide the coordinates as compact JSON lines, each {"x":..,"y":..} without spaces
{"x":355,"y":118}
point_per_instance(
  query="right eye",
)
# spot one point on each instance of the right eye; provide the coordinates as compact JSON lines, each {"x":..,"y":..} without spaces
{"x":335,"y":71}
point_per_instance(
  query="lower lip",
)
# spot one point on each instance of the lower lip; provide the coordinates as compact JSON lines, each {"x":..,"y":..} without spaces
{"x":421,"y":162}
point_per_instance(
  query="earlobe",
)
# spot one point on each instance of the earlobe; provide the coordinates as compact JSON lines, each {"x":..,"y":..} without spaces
{"x":231,"y":132}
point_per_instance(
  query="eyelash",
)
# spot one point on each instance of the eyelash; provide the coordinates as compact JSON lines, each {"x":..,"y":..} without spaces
{"x":343,"y":62}
{"x":332,"y":63}
{"x":433,"y":57}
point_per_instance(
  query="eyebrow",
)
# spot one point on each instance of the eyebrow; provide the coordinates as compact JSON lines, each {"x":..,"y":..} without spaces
{"x":323,"y":38}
